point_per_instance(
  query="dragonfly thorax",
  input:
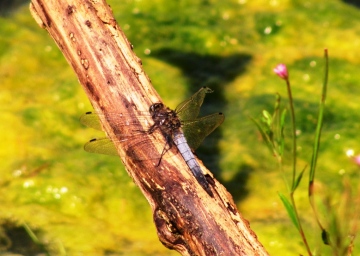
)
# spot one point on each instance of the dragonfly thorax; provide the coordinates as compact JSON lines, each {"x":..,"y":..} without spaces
{"x":164,"y":118}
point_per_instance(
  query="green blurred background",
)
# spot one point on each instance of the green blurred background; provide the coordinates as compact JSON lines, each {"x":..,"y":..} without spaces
{"x":56,"y":198}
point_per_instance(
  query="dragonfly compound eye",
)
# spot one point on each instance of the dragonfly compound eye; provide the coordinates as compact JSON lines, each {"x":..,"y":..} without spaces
{"x":156,"y":107}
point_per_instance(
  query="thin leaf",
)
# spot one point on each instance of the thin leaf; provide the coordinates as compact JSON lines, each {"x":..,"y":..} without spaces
{"x":290,"y":210}
{"x":319,"y":121}
{"x":263,"y":135}
{"x":282,"y":136}
{"x":282,"y":120}
{"x":277,"y":102}
{"x":298,"y":179}
{"x":267,"y":117}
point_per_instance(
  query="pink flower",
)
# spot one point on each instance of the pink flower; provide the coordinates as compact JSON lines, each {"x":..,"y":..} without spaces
{"x":357,"y":159}
{"x":281,"y":71}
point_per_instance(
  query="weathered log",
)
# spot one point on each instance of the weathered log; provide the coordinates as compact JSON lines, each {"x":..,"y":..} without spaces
{"x":187,"y":218}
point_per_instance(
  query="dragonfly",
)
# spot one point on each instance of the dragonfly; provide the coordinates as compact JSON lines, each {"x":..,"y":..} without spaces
{"x":181,"y":127}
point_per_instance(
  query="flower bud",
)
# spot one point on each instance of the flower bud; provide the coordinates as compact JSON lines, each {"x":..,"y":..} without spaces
{"x":281,"y":71}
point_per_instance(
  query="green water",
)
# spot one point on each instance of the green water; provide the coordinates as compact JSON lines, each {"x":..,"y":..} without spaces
{"x":77,"y":202}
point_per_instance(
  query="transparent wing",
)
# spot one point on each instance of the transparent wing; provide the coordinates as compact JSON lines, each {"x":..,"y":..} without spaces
{"x":133,"y":136}
{"x":196,"y":131}
{"x":131,"y":132}
{"x":190,"y":108}
{"x":132,"y":144}
{"x":101,"y":146}
{"x":91,"y":119}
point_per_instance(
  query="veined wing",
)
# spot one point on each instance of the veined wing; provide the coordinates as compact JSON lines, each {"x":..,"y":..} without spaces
{"x":91,"y":119}
{"x":134,"y":137}
{"x":131,"y":145}
{"x":190,"y":108}
{"x":195,"y":131}
{"x":132,"y":130}
{"x":103,"y":146}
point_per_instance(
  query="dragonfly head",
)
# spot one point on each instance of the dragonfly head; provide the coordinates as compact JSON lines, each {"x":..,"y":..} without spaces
{"x":156,"y":107}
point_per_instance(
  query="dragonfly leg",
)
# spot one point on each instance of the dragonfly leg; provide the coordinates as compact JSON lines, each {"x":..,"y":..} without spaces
{"x":165,"y":149}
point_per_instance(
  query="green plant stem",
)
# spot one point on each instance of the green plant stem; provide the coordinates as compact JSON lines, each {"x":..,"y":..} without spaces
{"x":293,"y":186}
{"x":319,"y":122}
{"x":301,"y":231}
{"x":317,"y":142}
{"x":292,"y":114}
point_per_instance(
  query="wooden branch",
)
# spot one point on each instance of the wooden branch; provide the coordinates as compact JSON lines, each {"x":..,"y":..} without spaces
{"x":186,"y":217}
